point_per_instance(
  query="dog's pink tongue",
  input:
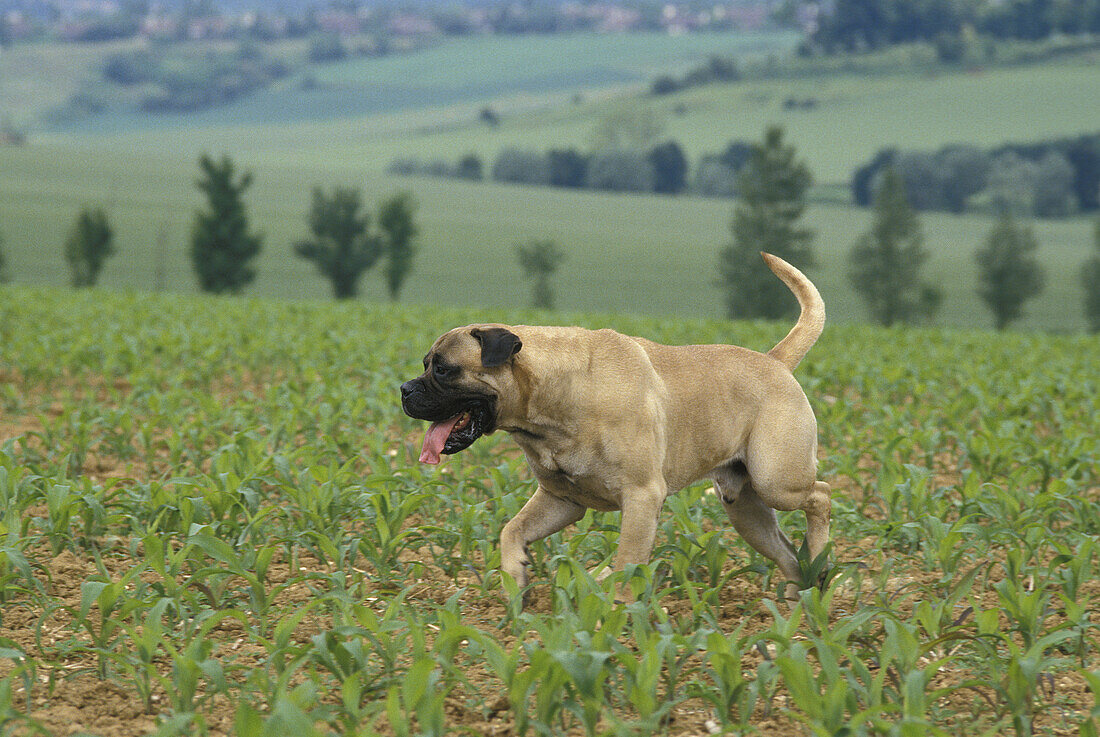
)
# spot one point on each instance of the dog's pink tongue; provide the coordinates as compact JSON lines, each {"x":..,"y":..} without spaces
{"x":436,"y":438}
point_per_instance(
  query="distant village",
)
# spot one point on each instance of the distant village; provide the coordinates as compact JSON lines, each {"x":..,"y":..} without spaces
{"x":102,"y":20}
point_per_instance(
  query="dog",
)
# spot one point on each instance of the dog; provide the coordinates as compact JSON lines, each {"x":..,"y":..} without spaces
{"x":617,"y":423}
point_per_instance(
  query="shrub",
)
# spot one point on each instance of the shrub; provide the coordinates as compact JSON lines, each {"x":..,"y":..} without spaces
{"x":405,"y":166}
{"x":923,"y":176}
{"x":965,"y":173}
{"x":129,"y":68}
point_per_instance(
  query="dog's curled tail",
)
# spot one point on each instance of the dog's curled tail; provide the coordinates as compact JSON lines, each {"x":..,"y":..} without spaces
{"x":811,"y":321}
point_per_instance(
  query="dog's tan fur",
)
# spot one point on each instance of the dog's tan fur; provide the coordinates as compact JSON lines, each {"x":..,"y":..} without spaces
{"x":612,"y":422}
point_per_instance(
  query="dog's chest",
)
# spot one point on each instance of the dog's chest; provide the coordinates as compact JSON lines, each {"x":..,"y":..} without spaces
{"x":569,"y":475}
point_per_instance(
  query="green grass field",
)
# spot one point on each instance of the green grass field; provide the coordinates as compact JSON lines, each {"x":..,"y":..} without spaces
{"x":144,"y":177}
{"x":625,"y":253}
{"x":36,"y":79}
{"x":212,"y":522}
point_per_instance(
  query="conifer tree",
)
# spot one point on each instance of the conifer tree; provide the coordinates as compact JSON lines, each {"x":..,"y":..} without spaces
{"x":772,"y":189}
{"x":395,"y":218}
{"x":222,"y":245}
{"x":884,"y":264}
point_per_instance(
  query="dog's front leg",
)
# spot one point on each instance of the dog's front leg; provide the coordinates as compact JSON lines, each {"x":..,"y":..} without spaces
{"x":641,"y":511}
{"x":542,"y":515}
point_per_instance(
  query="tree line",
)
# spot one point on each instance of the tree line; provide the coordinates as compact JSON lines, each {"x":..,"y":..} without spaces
{"x":863,"y":25}
{"x":661,"y":168}
{"x":1044,"y":179}
{"x":884,"y":263}
{"x":171,"y":79}
{"x":223,"y":245}
{"x":342,"y":244}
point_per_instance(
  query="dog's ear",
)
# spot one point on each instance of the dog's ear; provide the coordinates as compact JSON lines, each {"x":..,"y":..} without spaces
{"x":497,"y":345}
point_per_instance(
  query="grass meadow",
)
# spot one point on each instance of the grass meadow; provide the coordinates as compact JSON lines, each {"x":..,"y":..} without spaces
{"x":468,"y":232}
{"x":144,"y":171}
{"x":212,"y":522}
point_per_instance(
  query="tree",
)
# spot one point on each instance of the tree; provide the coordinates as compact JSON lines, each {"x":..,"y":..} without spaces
{"x":884,"y":264}
{"x":395,"y":218}
{"x":342,"y":247}
{"x":620,"y":170}
{"x":469,"y":167}
{"x":669,"y":167}
{"x":521,"y":167}
{"x":1009,"y":273}
{"x":714,"y":179}
{"x":89,"y":244}
{"x":1090,"y":279}
{"x":568,"y":167}
{"x":1011,"y":186}
{"x":1053,"y":186}
{"x":222,"y":246}
{"x":325,"y":48}
{"x":865,"y":176}
{"x":925,"y":177}
{"x":539,"y":259}
{"x":965,"y":173}
{"x":772,"y":187}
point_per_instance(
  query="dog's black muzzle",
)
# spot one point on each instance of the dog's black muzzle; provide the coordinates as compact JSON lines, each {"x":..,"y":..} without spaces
{"x":421,"y":400}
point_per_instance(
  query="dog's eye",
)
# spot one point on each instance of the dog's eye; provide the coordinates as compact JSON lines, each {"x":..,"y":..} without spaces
{"x":443,"y":371}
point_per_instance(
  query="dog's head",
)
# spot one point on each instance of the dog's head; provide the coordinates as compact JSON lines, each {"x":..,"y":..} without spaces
{"x":466,"y":372}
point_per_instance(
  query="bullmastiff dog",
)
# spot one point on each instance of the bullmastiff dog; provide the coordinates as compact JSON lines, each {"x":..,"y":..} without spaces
{"x":612,"y":422}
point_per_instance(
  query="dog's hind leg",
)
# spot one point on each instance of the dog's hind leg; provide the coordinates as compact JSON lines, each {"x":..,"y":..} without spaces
{"x":542,"y":515}
{"x":782,"y":463}
{"x":756,"y":522}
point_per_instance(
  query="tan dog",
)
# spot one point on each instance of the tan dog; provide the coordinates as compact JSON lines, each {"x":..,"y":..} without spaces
{"x":611,"y":422}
